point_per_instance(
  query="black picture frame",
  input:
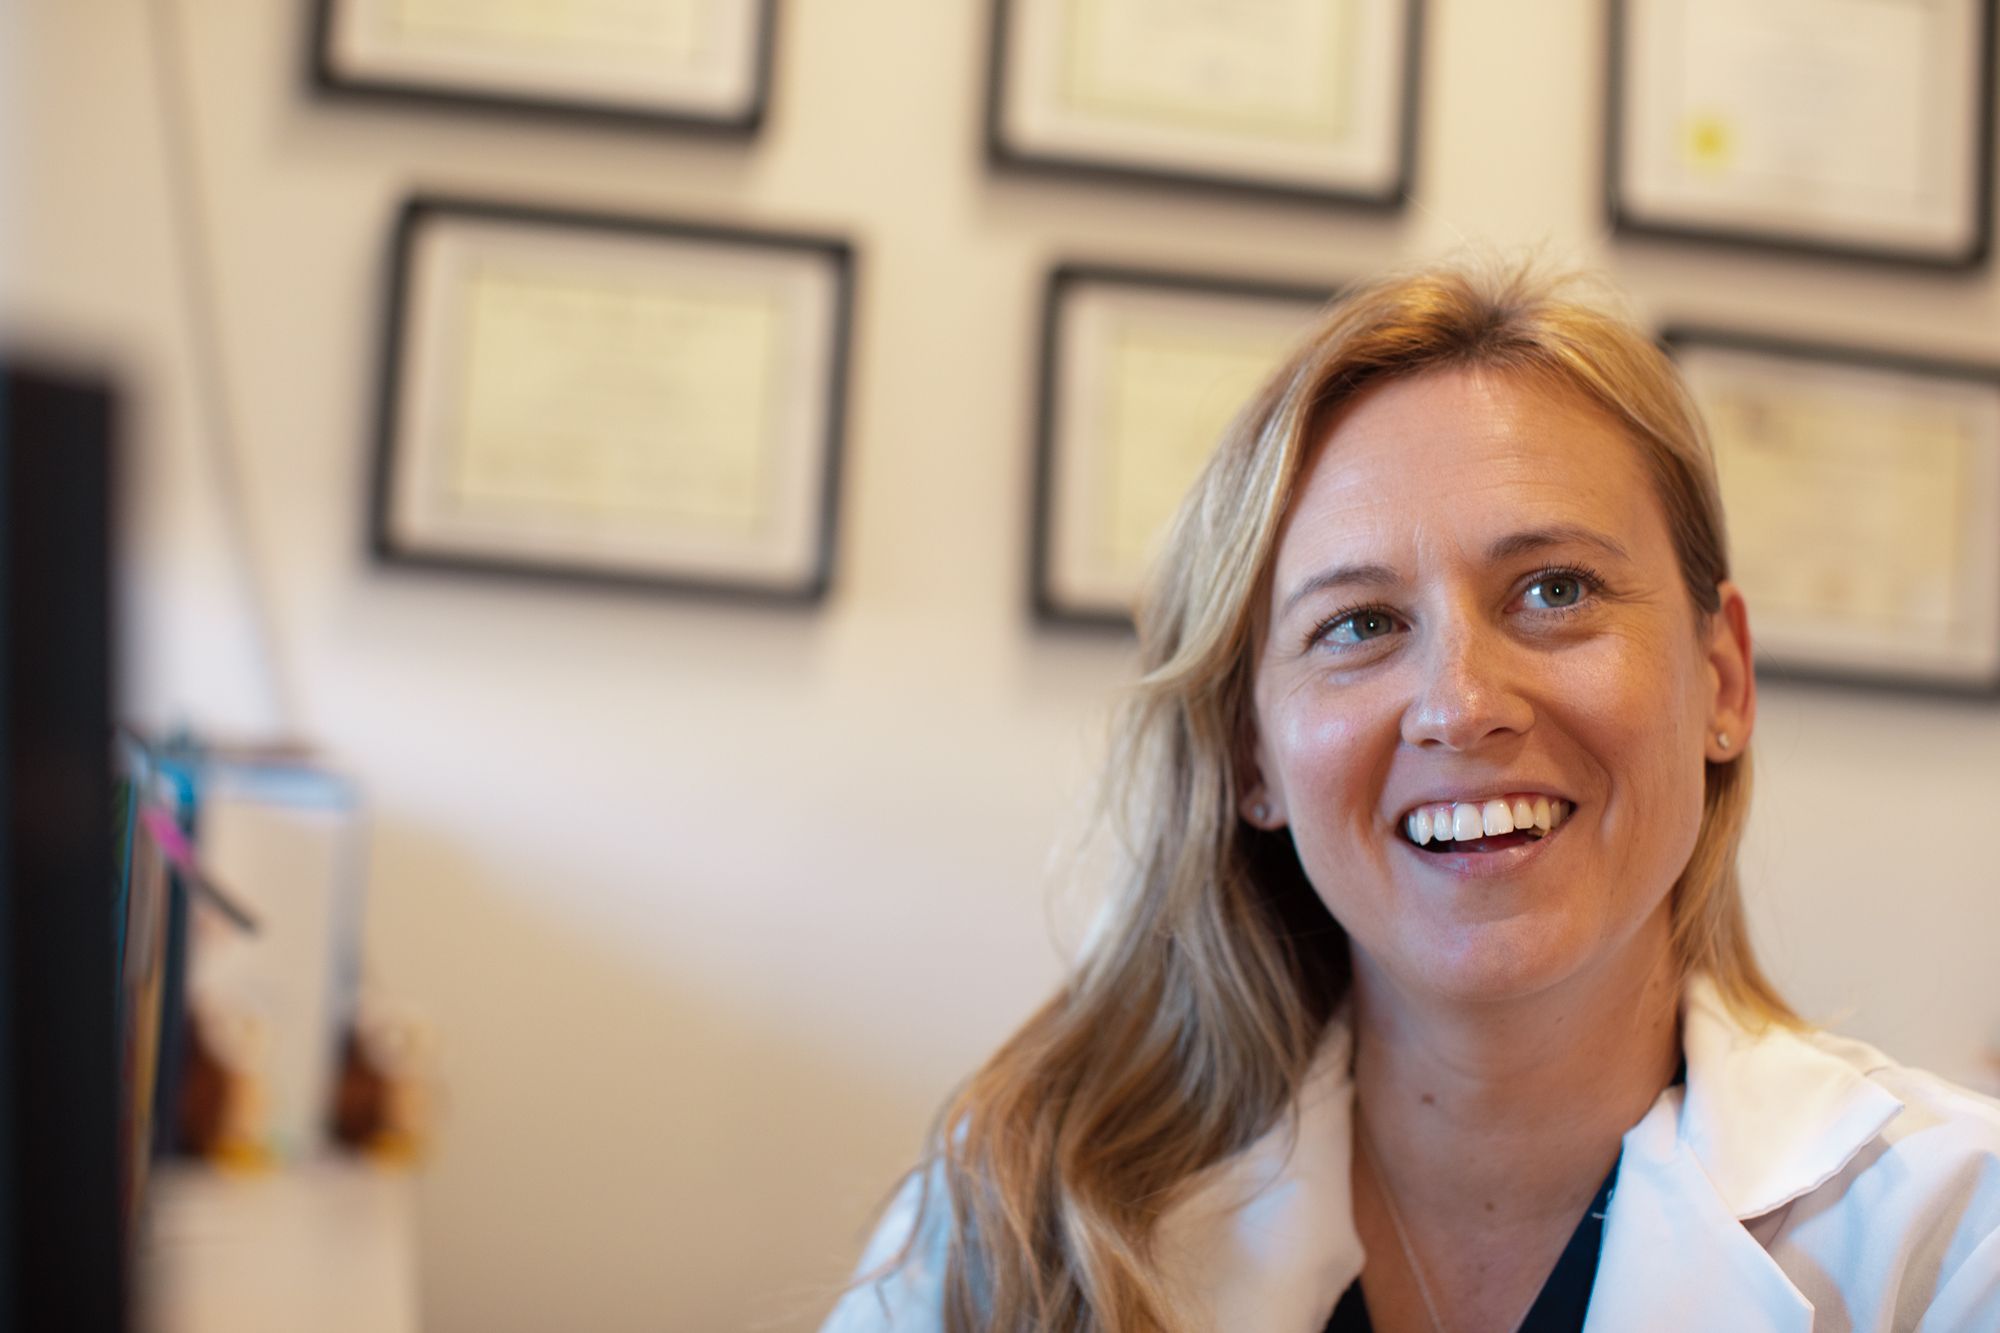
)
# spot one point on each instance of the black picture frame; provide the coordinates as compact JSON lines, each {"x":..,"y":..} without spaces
{"x":495,"y":95}
{"x":1049,"y":605}
{"x":1005,"y":154}
{"x":1631,"y":220}
{"x":1686,"y":342}
{"x":390,"y":542}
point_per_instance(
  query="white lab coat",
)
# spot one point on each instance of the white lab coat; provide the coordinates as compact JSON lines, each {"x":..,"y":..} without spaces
{"x":1798,"y":1181}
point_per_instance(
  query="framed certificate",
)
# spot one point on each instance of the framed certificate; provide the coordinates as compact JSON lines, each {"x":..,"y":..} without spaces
{"x":612,"y":399}
{"x":1863,"y":494}
{"x":1309,"y":98}
{"x":1857,"y":128}
{"x":698,"y":64}
{"x":1141,"y":374}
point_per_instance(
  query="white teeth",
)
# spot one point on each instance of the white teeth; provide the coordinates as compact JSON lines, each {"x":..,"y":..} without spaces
{"x":1463,"y":821}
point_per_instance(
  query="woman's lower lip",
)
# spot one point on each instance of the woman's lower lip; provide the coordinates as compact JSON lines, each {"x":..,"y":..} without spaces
{"x":1479,"y":865}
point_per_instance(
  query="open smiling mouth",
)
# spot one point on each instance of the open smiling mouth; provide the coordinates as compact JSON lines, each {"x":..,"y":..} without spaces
{"x":1490,"y":825}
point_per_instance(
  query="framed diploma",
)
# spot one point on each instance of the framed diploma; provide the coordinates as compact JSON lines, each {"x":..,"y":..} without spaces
{"x":1857,"y":128}
{"x":699,"y":64}
{"x":1863,"y":494}
{"x":612,"y":399}
{"x":1141,"y":374}
{"x":1309,"y":98}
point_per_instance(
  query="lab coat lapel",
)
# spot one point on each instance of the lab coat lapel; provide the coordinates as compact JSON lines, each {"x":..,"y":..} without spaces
{"x":1764,"y":1118}
{"x":1674,"y":1256}
{"x":1266,"y":1241}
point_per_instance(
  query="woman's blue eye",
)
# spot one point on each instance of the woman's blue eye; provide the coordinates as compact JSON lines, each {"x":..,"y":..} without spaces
{"x":1556,"y":590}
{"x":1360,"y":625}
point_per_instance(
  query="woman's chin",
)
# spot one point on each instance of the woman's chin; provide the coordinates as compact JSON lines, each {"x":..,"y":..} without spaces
{"x":1492,"y":962}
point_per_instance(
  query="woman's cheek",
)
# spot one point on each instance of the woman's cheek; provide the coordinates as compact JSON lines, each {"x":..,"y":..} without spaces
{"x":1319,"y":741}
{"x":1648,"y":731}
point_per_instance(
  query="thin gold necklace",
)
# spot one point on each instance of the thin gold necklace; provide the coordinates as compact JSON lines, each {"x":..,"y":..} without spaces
{"x":1396,"y":1220}
{"x":1403,"y":1233}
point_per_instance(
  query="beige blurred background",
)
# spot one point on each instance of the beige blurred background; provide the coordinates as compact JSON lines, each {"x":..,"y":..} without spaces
{"x":710,"y":905}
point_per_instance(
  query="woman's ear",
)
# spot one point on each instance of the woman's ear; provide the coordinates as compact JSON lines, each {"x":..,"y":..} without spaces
{"x":1733,"y":702}
{"x":1260,"y":810}
{"x":1260,"y":806}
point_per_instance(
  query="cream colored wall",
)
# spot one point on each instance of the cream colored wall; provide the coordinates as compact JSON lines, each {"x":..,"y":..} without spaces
{"x":712,"y":905}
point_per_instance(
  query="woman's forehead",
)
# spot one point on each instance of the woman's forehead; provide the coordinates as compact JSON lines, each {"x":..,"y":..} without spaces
{"x":1447,"y":464}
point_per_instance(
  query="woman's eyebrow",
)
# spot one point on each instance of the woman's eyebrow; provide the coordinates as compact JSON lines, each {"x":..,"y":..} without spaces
{"x":1513,"y":544}
{"x":1560,"y":534}
{"x":1368,"y":576}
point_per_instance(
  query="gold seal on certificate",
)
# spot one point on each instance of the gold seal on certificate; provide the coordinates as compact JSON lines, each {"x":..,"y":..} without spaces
{"x":613,"y":398}
{"x":1310,"y":97}
{"x":1856,"y":127}
{"x":701,"y":63}
{"x":1863,"y":494}
{"x":1142,"y":373}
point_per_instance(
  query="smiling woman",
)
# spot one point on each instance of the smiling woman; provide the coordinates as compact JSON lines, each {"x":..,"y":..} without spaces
{"x":1427,"y":1000}
{"x":1511,"y":650}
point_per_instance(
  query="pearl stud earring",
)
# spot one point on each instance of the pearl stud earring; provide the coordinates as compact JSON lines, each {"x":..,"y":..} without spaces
{"x":1722,"y":739}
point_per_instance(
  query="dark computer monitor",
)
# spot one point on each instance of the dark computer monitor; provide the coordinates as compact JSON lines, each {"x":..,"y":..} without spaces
{"x":63,"y":1251}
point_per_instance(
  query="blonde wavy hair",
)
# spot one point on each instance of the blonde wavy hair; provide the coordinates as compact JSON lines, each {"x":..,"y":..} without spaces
{"x":1185,"y":1029}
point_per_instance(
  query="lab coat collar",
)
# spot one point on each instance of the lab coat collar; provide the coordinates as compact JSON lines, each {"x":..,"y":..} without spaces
{"x":1764,"y":1118}
{"x":1266,"y":1240}
{"x":1771,"y":1115}
{"x":1674,"y":1256}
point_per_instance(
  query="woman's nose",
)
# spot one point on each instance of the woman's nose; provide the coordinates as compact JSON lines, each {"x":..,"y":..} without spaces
{"x":1467,"y":693}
